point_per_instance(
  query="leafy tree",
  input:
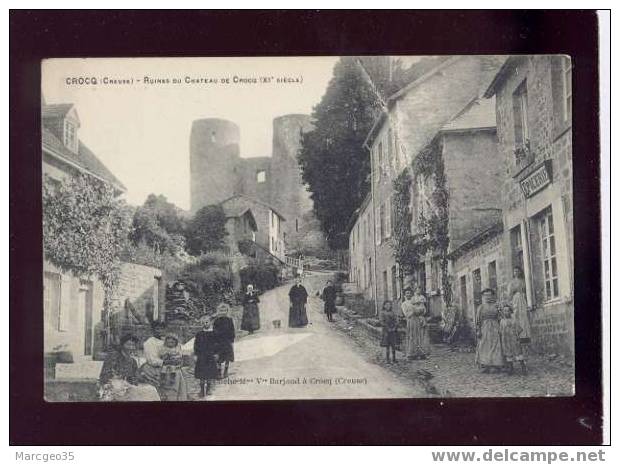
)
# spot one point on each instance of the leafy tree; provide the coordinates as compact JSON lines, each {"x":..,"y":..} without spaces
{"x":334,"y":163}
{"x":85,"y":227}
{"x":206,"y":230}
{"x":159,"y":225}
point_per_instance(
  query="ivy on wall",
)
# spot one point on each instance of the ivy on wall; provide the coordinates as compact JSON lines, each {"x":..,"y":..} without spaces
{"x":410,"y":249}
{"x":85,"y":228}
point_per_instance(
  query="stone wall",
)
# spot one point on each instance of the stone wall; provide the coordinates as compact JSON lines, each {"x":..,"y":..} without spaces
{"x":145,"y":289}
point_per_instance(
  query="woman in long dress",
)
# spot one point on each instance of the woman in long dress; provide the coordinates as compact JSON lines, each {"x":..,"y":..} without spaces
{"x":516,"y":291}
{"x":414,"y":310}
{"x":250,"y":321}
{"x":488,"y":350}
{"x":298,"y":296}
{"x":119,"y":377}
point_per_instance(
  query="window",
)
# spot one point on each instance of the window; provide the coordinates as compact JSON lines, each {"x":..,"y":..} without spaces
{"x":365,"y":274}
{"x":394,"y":284}
{"x":382,"y":232}
{"x":261,"y":176}
{"x":464,"y":294}
{"x":386,"y":295}
{"x":422,"y":277}
{"x":397,"y":156}
{"x":70,"y":135}
{"x":516,"y":243}
{"x":296,"y":225}
{"x":435,"y":272}
{"x":379,"y":222}
{"x":369,"y":272}
{"x":567,"y":88}
{"x":550,"y":263}
{"x":519,"y":105}
{"x":390,"y":148}
{"x":51,"y":301}
{"x":492,"y":271}
{"x":388,"y":217}
{"x":477,"y":281}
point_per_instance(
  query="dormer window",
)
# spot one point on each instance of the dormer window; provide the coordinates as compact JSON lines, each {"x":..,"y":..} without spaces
{"x":70,"y":136}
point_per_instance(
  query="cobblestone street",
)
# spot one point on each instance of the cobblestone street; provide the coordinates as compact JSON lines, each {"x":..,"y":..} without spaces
{"x":454,"y":374}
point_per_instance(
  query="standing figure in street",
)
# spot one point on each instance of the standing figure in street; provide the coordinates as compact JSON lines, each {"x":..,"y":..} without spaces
{"x":297,"y":317}
{"x":516,"y":291}
{"x":120,"y":378}
{"x":414,"y":310}
{"x":389,"y":330}
{"x":172,"y":383}
{"x":224,"y":330}
{"x":250,"y":321}
{"x":206,"y":356}
{"x":329,"y":297}
{"x":488,"y":350}
{"x":152,"y":346}
{"x":509,"y":331}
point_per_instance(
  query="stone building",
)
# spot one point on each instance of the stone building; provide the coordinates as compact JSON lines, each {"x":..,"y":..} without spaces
{"x":440,"y":112}
{"x":362,"y":250}
{"x":256,"y":221}
{"x":534,"y":111}
{"x":218,"y":172}
{"x":72,"y":305}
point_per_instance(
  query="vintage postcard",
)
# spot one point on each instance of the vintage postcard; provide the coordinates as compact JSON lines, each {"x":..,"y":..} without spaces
{"x":355,"y":227}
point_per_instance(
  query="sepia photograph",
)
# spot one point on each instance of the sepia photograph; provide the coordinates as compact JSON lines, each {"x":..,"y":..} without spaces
{"x":304,"y":228}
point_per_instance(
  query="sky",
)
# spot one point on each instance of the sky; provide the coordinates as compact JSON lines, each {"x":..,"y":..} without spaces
{"x":141,"y":131}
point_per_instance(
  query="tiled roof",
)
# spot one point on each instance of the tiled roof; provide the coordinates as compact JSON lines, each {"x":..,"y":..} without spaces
{"x":244,"y":199}
{"x":57,"y":110}
{"x":480,"y":113}
{"x":85,"y":158}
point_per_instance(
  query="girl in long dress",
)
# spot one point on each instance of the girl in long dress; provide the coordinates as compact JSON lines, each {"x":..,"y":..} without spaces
{"x":509,"y":331}
{"x":250,"y":321}
{"x":224,"y":330}
{"x":206,"y":349}
{"x":488,"y":350}
{"x":516,"y":291}
{"x":414,"y":310}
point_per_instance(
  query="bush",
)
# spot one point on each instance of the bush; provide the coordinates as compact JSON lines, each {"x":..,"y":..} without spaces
{"x":263,"y":276}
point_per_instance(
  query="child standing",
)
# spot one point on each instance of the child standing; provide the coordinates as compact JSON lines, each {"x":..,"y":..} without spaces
{"x":206,"y":352}
{"x":389,"y":332}
{"x":509,"y":331}
{"x":173,"y":386}
{"x":224,"y":331}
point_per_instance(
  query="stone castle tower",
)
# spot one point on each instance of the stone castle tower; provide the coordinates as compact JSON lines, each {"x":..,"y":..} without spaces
{"x":217,"y":171}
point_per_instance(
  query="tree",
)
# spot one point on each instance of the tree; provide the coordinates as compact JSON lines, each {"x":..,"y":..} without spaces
{"x":334,"y":163}
{"x":206,"y":230}
{"x":159,"y":225}
{"x":85,"y":227}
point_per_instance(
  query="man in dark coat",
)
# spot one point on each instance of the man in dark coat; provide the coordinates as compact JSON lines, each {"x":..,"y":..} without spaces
{"x":297,"y":317}
{"x":329,"y":297}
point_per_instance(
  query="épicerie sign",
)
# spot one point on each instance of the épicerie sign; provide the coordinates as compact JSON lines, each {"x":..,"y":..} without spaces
{"x":537,"y":179}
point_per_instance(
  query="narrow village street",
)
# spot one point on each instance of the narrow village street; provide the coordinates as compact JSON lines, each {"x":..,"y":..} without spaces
{"x":273,"y":363}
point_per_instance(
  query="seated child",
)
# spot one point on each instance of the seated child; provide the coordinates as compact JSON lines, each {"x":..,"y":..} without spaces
{"x":509,"y":331}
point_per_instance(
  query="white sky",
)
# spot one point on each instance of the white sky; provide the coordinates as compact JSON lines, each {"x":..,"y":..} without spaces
{"x":141,"y":132}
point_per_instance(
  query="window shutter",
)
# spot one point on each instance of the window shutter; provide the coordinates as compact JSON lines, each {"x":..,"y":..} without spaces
{"x":378,"y":229}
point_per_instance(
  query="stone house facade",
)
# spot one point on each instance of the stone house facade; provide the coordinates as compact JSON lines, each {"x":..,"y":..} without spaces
{"x":362,"y":250}
{"x":440,"y":108}
{"x":534,"y":112}
{"x":72,"y":305}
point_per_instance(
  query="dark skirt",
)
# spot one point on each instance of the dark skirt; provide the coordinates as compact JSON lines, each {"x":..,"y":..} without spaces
{"x":226,"y":351}
{"x":297,"y":317}
{"x":329,"y":308}
{"x":390,"y":339}
{"x":250,"y":321}
{"x":206,"y":368}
